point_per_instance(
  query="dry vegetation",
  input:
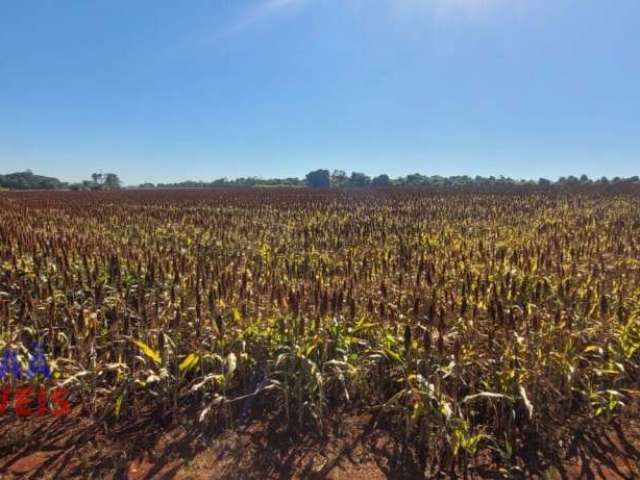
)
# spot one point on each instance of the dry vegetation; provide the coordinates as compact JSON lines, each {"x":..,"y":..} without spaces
{"x":468,"y":325}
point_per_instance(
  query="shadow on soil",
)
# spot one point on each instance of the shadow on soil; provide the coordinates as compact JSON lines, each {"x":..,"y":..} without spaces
{"x":75,"y":447}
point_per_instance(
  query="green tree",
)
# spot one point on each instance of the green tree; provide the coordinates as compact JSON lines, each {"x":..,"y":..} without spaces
{"x":544,"y":182}
{"x":339,"y":178}
{"x":415,"y":179}
{"x":97,"y":178}
{"x":111,"y":181}
{"x":319,"y":179}
{"x":381,"y":181}
{"x":585,"y":180}
{"x":358,"y":179}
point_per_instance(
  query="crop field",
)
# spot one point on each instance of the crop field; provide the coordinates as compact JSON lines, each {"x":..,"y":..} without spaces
{"x":478,"y":330}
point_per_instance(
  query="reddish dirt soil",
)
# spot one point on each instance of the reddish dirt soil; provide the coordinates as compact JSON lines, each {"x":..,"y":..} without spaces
{"x":74,"y":447}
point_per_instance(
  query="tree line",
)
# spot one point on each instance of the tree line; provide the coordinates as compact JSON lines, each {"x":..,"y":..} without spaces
{"x":321,"y":178}
{"x":28,"y":180}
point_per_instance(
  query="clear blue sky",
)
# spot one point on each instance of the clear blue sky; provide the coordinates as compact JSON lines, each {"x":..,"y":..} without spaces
{"x":172,"y":90}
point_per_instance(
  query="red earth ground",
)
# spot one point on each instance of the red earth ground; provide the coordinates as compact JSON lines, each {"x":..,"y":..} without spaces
{"x":75,"y":447}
